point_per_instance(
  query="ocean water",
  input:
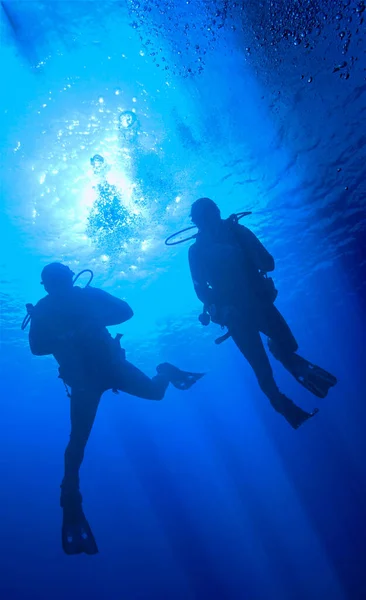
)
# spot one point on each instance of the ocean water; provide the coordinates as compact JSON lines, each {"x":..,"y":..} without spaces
{"x":260,"y":105}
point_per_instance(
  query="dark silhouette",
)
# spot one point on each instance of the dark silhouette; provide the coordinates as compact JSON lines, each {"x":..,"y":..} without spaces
{"x":71,"y":324}
{"x":229,"y":267}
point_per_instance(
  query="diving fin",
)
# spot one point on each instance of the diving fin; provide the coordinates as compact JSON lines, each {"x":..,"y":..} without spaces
{"x":296,"y":420}
{"x":310,"y":376}
{"x":293,"y":414}
{"x":182,"y":380}
{"x":77,"y":537}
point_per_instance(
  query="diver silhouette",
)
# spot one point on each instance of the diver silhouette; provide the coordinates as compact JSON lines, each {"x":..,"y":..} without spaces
{"x":229,"y":267}
{"x":70,"y":323}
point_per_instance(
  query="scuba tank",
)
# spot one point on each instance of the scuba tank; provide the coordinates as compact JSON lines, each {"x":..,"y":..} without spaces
{"x":265,"y":288}
{"x":268,"y":290}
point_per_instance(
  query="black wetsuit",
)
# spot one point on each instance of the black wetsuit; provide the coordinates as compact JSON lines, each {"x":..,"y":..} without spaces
{"x":227,"y":269}
{"x":72,"y":327}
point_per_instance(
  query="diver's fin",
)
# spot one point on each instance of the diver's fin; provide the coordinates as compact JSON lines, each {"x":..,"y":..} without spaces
{"x":182,"y":380}
{"x":77,"y":537}
{"x":301,"y":418}
{"x":293,"y":414}
{"x":310,"y":376}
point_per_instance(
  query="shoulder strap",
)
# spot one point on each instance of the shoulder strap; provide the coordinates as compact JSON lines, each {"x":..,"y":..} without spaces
{"x":233,"y":223}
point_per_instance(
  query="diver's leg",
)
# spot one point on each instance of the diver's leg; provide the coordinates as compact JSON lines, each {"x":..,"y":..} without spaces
{"x":77,"y":536}
{"x":131,"y":380}
{"x":282,"y":341}
{"x":251,"y":346}
{"x":83,"y":409}
{"x":284,"y":347}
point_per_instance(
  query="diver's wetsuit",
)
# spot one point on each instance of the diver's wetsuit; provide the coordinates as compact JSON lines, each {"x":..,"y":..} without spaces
{"x":72,"y":327}
{"x":226,"y":270}
{"x":71,"y":323}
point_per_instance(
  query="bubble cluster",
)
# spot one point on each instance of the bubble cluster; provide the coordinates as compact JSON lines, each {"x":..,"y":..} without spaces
{"x":108,"y":216}
{"x":304,"y":24}
{"x":191,"y":29}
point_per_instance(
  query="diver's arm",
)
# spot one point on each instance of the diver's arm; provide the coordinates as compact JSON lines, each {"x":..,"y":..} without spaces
{"x":40,"y":341}
{"x":201,"y":287}
{"x":108,"y":309}
{"x":263,"y":260}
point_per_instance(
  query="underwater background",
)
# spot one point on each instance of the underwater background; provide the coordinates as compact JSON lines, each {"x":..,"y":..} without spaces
{"x":260,"y":105}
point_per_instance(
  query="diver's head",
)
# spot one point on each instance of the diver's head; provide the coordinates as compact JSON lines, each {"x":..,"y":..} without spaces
{"x":205,"y":214}
{"x":57,"y":278}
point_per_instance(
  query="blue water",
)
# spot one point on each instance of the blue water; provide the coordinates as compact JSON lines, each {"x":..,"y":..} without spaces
{"x":208,"y":494}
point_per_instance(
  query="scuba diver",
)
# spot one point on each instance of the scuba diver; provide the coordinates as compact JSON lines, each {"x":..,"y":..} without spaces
{"x":229,"y":267}
{"x":71,"y":324}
